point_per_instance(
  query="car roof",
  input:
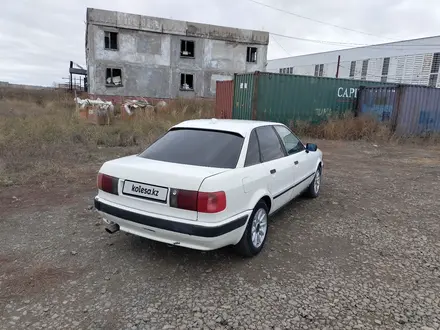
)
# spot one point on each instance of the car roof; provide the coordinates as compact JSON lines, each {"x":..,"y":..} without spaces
{"x":242,"y":127}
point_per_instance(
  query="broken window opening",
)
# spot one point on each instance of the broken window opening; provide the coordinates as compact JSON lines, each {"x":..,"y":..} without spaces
{"x":364,"y":70}
{"x":186,"y":82}
{"x":281,"y":70}
{"x":433,"y":80}
{"x":321,"y":70}
{"x":187,"y":48}
{"x":435,"y":63}
{"x":113,"y":77}
{"x":111,"y":40}
{"x":316,"y":70}
{"x":251,"y":56}
{"x":385,"y":66}
{"x":352,"y":68}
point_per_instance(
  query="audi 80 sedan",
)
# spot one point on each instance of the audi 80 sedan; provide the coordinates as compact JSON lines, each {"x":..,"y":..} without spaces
{"x":207,"y":184}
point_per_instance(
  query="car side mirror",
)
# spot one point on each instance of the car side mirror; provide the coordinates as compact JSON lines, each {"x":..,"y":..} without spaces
{"x":311,"y":147}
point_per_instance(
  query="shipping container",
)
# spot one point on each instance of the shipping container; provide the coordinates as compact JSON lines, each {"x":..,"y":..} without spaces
{"x":243,"y":95}
{"x":223,"y":99}
{"x":285,"y":97}
{"x":415,"y":110}
{"x":419,"y":110}
{"x":377,"y":101}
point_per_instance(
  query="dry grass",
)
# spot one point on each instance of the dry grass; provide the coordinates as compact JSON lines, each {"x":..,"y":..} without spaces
{"x":41,"y":136}
{"x":348,"y":127}
{"x":42,"y":139}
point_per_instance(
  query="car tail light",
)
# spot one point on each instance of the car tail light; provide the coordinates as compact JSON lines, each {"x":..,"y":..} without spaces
{"x":204,"y":202}
{"x":211,"y":202}
{"x":183,"y":199}
{"x":108,"y":183}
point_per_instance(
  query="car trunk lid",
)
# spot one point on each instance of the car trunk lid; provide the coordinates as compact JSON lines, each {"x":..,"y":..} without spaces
{"x":146,"y":184}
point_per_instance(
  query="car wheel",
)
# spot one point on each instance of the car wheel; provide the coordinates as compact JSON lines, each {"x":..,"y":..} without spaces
{"x":315,"y":186}
{"x":255,"y":234}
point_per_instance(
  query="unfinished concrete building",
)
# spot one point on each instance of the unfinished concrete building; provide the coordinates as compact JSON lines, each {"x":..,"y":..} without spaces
{"x":134,"y":55}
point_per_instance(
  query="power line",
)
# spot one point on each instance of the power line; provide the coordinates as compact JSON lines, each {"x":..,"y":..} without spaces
{"x":326,"y":42}
{"x":281,"y":46}
{"x":316,"y":20}
{"x":336,"y":43}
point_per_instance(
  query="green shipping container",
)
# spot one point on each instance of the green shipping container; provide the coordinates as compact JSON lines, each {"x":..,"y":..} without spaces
{"x":243,"y":95}
{"x":286,"y":97}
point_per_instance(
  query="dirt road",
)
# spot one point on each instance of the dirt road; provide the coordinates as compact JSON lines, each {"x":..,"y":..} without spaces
{"x":364,"y":255}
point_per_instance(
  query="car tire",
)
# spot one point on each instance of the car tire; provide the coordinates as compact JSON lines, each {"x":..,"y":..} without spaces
{"x":315,"y":186}
{"x":251,"y":242}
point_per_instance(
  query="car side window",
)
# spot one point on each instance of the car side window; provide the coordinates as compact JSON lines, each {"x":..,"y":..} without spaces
{"x":292,"y":144}
{"x":253,"y":151}
{"x":270,"y":145}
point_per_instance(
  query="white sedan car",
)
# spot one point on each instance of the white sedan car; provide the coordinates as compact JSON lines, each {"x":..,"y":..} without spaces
{"x":207,"y":184}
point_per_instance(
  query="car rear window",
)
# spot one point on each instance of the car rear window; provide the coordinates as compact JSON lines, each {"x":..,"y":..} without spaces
{"x":197,"y":147}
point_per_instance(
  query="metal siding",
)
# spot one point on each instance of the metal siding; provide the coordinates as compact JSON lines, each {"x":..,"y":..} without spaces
{"x":419,"y":110}
{"x":224,"y":99}
{"x":358,"y":70}
{"x":402,"y":48}
{"x":426,"y":68}
{"x":408,"y":69}
{"x":243,"y":96}
{"x":392,"y":70}
{"x":285,"y":98}
{"x":378,"y":101}
{"x":417,"y":70}
{"x":374,"y":69}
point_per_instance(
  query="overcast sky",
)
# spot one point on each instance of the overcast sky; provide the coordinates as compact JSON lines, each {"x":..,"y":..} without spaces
{"x":38,"y":38}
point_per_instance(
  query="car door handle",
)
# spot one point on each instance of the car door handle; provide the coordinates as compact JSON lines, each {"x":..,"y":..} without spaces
{"x":296,"y":162}
{"x":273,"y":171}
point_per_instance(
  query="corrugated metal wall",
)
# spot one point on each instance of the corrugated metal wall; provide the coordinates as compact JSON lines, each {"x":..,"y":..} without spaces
{"x":224,"y":96}
{"x":419,"y":110}
{"x":378,"y":101}
{"x":243,"y":96}
{"x":285,"y":97}
{"x":412,"y":110}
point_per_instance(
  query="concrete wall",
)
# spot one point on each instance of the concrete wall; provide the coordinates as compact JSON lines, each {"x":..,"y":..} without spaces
{"x":150,"y":60}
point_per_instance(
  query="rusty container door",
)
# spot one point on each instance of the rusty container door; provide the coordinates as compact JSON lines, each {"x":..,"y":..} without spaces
{"x":224,"y":94}
{"x":419,"y":111}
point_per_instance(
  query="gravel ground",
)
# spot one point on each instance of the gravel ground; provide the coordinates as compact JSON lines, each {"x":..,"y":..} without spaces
{"x":364,"y":255}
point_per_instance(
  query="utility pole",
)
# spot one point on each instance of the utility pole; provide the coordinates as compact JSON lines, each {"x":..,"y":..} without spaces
{"x":339,"y":64}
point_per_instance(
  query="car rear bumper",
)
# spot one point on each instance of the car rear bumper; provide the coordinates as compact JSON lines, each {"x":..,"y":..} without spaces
{"x":190,"y":234}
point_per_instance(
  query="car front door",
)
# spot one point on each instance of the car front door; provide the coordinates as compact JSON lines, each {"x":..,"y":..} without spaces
{"x":277,"y":165}
{"x":302,"y":162}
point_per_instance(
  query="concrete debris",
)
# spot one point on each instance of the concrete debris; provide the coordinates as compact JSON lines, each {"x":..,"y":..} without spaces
{"x":161,"y":104}
{"x":98,"y":102}
{"x":131,"y":105}
{"x":96,"y":111}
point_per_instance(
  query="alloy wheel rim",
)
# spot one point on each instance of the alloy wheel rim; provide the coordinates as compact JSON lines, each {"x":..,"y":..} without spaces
{"x":317,"y":183}
{"x":259,"y":228}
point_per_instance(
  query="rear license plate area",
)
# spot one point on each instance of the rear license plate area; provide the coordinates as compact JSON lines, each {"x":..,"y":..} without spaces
{"x":145,"y":191}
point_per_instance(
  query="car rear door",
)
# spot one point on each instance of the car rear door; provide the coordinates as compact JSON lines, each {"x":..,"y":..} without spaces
{"x":278,"y":166}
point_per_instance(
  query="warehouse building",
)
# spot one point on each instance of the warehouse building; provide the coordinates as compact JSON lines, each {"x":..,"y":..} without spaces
{"x":414,"y":61}
{"x":134,"y":55}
